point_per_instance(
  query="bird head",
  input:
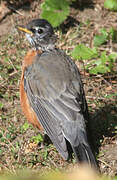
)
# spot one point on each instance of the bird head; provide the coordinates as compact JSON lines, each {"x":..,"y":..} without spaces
{"x":40,"y":34}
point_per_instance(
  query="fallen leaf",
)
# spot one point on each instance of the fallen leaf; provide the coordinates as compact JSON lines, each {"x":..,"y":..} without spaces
{"x":30,"y":147}
{"x":109,"y":88}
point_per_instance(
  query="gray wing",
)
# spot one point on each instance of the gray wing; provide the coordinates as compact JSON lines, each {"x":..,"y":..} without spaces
{"x":55,"y":92}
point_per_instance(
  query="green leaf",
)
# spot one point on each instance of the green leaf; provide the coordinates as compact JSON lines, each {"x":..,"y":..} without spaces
{"x":1,"y":105}
{"x":8,"y":136}
{"x":3,"y":139}
{"x":17,"y":145}
{"x":45,"y":154}
{"x":100,"y":39}
{"x":37,"y":138}
{"x":55,"y":11}
{"x":113,"y":34}
{"x":111,"y":4}
{"x":113,"y":56}
{"x":104,"y":57}
{"x":0,"y":135}
{"x":111,"y":60}
{"x":97,"y":62}
{"x":102,"y":65}
{"x":25,"y":126}
{"x":82,"y":52}
{"x":99,"y":69}
{"x":104,"y":32}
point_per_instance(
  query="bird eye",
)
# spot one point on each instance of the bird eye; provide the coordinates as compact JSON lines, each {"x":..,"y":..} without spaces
{"x":40,"y":31}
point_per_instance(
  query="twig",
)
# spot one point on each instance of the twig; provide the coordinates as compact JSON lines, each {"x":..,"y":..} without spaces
{"x":106,"y":82}
{"x":52,"y":162}
{"x":13,"y":9}
{"x":13,"y":73}
{"x":2,"y":83}
{"x":105,"y":163}
{"x":93,"y":97}
{"x":12,"y":65}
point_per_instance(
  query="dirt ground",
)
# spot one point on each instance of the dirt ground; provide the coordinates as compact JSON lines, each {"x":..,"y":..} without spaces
{"x":18,"y":147}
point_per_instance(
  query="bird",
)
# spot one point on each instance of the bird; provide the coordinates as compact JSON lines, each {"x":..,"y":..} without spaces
{"x":52,"y":95}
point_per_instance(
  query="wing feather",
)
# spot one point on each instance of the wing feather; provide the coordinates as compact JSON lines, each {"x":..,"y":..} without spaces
{"x":50,"y":124}
{"x":57,"y":99}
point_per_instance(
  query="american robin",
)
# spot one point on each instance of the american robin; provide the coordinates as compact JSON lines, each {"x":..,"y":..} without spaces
{"x":51,"y":93}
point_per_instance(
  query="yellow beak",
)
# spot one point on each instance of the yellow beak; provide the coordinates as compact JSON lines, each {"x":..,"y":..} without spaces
{"x":25,"y":30}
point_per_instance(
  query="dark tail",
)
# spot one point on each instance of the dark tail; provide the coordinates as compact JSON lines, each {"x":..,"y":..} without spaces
{"x":84,"y":154}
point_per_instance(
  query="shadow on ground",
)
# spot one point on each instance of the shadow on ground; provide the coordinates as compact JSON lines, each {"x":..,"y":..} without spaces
{"x":83,"y":4}
{"x":12,"y":7}
{"x":70,"y":22}
{"x":103,"y":123}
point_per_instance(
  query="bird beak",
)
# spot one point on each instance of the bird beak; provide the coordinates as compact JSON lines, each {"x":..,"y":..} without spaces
{"x":25,"y":30}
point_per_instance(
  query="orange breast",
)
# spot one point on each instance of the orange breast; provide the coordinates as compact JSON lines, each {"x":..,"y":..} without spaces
{"x":26,"y":108}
